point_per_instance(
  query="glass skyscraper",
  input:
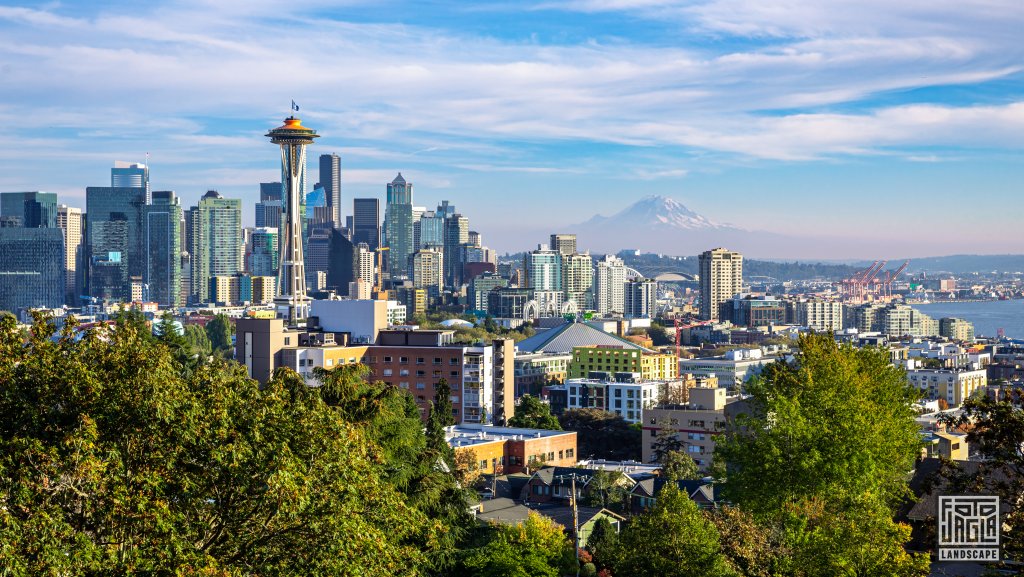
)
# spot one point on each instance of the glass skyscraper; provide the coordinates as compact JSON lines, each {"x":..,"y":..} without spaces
{"x":366,"y":222}
{"x":263,"y":258}
{"x":162,"y":275}
{"x":218,"y":241}
{"x":130,"y":175}
{"x":35,"y":209}
{"x":114,"y":240}
{"x":398,"y":225}
{"x":330,"y":180}
{"x":31,"y":268}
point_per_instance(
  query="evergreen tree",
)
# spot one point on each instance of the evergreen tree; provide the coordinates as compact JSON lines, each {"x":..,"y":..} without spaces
{"x":218,"y":330}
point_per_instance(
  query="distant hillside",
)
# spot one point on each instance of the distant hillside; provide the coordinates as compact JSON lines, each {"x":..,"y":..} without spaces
{"x":652,"y":264}
{"x":968,"y":263}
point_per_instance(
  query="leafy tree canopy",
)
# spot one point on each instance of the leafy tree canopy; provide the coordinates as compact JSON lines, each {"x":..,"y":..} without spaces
{"x":532,"y":413}
{"x":836,"y":423}
{"x":115,"y":460}
{"x":602,"y":434}
{"x":536,"y":548}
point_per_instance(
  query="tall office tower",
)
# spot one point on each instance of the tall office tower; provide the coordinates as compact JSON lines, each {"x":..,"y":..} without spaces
{"x":641,"y":298}
{"x":398,"y":227}
{"x":263,"y":254}
{"x":69,"y":220}
{"x":578,"y":279}
{"x":721,"y":277}
{"x":431,"y":230}
{"x":31,"y":266}
{"x":293,"y":138}
{"x":428,"y":272}
{"x":161,"y":222}
{"x":114,"y":241}
{"x":364,"y":263}
{"x":341,"y":270}
{"x":563,"y":243}
{"x":456,"y":234}
{"x":131,"y":175}
{"x":417,"y":213}
{"x":218,"y":241}
{"x":445,"y":209}
{"x":544,"y":269}
{"x":268,"y":209}
{"x":330,"y":179}
{"x":474,"y":239}
{"x":318,"y":214}
{"x":609,"y":281}
{"x":318,"y":259}
{"x":35,"y":209}
{"x":366,"y":222}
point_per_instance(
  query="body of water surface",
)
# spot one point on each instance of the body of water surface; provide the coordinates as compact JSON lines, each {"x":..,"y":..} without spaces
{"x":987,"y":316}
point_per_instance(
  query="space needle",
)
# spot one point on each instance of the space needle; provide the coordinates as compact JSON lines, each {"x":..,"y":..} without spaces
{"x":292,"y":302}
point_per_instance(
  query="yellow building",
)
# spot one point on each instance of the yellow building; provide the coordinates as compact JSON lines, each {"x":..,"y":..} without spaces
{"x":605,"y":359}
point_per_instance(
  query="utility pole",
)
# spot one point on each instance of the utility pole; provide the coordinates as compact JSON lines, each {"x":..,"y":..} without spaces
{"x":575,"y":519}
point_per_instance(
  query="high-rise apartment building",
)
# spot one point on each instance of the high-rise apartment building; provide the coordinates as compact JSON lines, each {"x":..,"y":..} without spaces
{"x":330,"y":180}
{"x":69,"y":220}
{"x":114,"y":241}
{"x":366,"y":222}
{"x":161,"y":223}
{"x":428,"y":272}
{"x":398,"y":227}
{"x":35,"y":209}
{"x":131,"y":175}
{"x":609,"y":285}
{"x":218,"y":241}
{"x":365,"y":263}
{"x":578,"y":278}
{"x":641,"y":298}
{"x":544,"y":269}
{"x":563,"y":243}
{"x":456,"y":234}
{"x":721,"y":277}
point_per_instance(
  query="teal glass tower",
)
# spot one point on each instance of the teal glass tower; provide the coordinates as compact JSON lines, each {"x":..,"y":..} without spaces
{"x":292,"y":302}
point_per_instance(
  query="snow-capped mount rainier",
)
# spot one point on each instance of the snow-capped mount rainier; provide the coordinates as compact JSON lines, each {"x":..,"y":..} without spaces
{"x":657,"y":211}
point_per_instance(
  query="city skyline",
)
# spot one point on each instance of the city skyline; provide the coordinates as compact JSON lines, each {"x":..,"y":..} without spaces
{"x":826,"y":117}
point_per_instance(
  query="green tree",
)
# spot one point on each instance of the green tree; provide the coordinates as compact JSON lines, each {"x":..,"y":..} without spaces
{"x":679,"y":466}
{"x":531,"y":413}
{"x":824,"y":453}
{"x":198,"y":342}
{"x":604,"y":490}
{"x":602,"y":434}
{"x":219,"y":330}
{"x":996,"y":431}
{"x":673,"y":539}
{"x":603,"y":543}
{"x":837,"y":422}
{"x":535,"y":548}
{"x":659,"y":335}
{"x":667,"y":441}
{"x":114,"y":459}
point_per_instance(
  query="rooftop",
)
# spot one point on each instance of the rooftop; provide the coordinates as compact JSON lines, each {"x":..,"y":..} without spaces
{"x":468,"y":435}
{"x":564,"y":338}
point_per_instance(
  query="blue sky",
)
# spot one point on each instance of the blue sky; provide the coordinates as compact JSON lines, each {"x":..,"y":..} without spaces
{"x":899,"y":122}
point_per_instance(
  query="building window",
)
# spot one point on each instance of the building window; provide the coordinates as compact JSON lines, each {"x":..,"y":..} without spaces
{"x":453,"y":361}
{"x":560,"y":454}
{"x":403,"y":372}
{"x":421,"y":373}
{"x":387,"y":372}
{"x":437,"y":360}
{"x":403,"y":360}
{"x":287,"y":341}
{"x":483,"y":464}
{"x":420,"y":386}
{"x":455,"y":374}
{"x":569,"y":452}
{"x":420,"y":360}
{"x":387,"y":359}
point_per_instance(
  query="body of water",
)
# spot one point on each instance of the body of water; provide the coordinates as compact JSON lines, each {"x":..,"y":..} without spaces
{"x":987,"y":316}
